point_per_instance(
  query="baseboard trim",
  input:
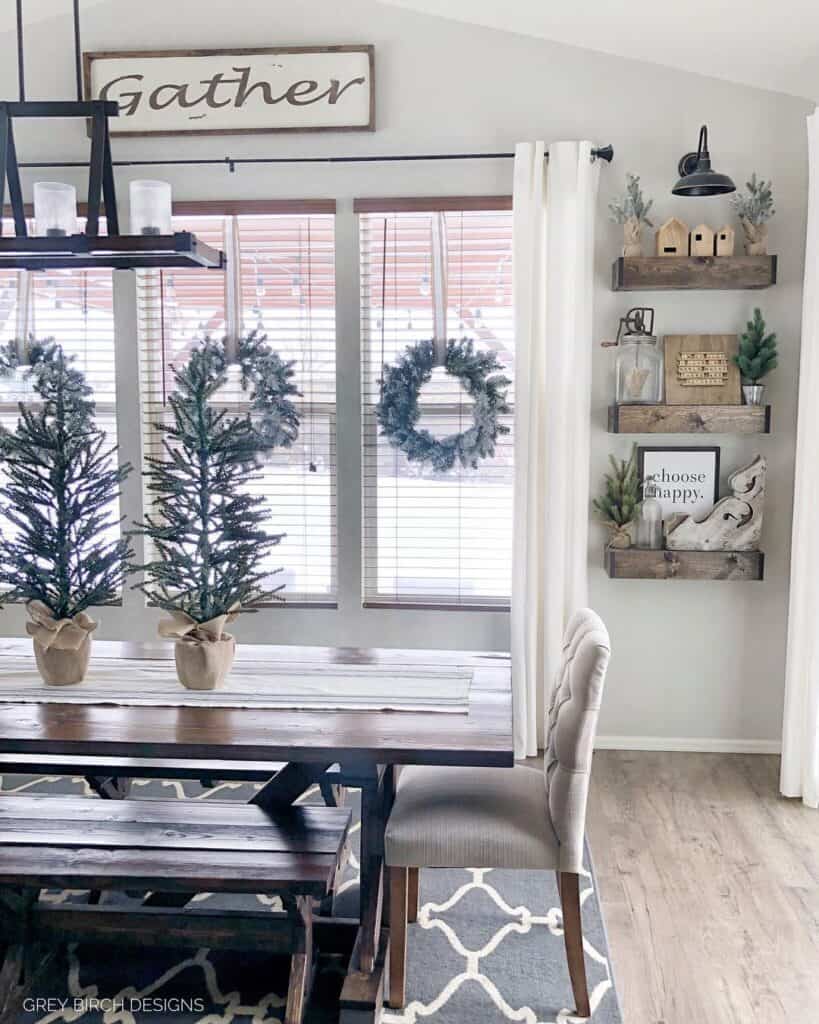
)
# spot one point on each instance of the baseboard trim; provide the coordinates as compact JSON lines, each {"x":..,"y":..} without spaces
{"x":689,"y":744}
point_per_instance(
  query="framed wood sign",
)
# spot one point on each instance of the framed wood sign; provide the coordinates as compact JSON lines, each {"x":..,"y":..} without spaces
{"x":687,"y":479}
{"x":232,"y":92}
{"x":700,"y":369}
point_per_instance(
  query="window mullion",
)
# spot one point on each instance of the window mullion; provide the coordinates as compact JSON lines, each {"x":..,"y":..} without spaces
{"x":234,"y":314}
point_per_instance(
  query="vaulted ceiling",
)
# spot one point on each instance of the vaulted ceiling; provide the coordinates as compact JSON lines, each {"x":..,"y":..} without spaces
{"x":772,"y":45}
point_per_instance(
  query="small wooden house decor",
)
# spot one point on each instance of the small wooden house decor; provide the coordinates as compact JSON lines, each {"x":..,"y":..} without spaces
{"x":701,"y":241}
{"x":724,"y":241}
{"x":672,"y":238}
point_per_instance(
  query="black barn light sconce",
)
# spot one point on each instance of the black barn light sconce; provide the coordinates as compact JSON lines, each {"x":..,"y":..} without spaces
{"x":57,"y":243}
{"x":696,"y":175}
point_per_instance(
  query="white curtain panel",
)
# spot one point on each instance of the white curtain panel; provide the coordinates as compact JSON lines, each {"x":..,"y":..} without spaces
{"x":800,"y":738}
{"x":554,"y":214}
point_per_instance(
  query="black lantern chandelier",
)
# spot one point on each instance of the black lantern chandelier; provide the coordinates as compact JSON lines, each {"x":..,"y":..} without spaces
{"x":57,"y":243}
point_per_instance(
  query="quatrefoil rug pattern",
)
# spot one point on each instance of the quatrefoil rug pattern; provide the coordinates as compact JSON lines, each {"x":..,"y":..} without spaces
{"x":487,"y":949}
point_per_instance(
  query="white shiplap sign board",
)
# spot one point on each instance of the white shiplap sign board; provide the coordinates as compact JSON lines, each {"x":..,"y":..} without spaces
{"x":172,"y":92}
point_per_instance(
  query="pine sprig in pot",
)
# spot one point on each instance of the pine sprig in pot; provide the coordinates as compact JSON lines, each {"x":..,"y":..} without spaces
{"x":618,"y":504}
{"x":207,"y":531}
{"x":631,"y":210}
{"x":757,"y":356}
{"x":60,"y":485}
{"x":754,"y":209}
{"x":632,"y":204}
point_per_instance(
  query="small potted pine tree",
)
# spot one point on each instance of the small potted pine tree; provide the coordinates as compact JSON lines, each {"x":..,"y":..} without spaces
{"x":618,"y":504}
{"x":60,"y":485}
{"x":631,"y":210}
{"x":206,"y":531}
{"x":756,"y":357}
{"x":754,"y":209}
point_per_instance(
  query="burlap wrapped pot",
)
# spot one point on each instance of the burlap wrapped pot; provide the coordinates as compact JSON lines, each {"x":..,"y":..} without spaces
{"x":203,"y":651}
{"x":632,"y":238}
{"x":62,"y":647}
{"x":756,"y":237}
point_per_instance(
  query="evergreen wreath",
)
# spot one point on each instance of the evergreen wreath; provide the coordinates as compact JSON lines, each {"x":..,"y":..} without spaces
{"x":35,"y":352}
{"x":61,"y":485}
{"x":268,"y":379}
{"x":398,"y":411}
{"x":9,"y":359}
{"x":208,"y":533}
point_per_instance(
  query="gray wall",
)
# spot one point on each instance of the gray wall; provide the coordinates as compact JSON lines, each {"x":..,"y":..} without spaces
{"x":697,"y":664}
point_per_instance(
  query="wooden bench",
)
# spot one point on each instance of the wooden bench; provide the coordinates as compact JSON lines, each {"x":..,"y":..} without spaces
{"x":164,"y":846}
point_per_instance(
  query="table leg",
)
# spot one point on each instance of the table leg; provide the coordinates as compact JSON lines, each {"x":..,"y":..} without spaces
{"x":372,"y":873}
{"x":362,"y":994}
{"x":289,"y":784}
{"x":362,"y":997}
{"x":110,"y":788}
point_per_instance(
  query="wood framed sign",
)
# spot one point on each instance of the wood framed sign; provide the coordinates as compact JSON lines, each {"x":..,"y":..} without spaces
{"x":700,"y":369}
{"x":687,"y":479}
{"x":232,"y":92}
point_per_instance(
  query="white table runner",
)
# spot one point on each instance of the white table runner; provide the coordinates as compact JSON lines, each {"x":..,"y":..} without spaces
{"x":251,"y":684}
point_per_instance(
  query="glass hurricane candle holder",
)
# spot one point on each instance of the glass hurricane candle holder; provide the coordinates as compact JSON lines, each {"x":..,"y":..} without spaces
{"x":55,"y":209}
{"x":150,"y":208}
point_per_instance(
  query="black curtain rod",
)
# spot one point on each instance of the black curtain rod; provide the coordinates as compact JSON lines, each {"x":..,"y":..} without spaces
{"x":602,"y":153}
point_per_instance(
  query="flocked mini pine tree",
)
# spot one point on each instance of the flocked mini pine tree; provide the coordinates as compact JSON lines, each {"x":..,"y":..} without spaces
{"x":206,"y":530}
{"x":60,"y":486}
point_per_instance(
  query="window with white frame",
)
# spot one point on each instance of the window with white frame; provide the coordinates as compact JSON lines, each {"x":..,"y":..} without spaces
{"x":434,"y":539}
{"x":280,"y":281}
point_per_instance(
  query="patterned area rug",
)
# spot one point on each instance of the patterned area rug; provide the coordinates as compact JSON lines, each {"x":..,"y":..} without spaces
{"x":487,"y":949}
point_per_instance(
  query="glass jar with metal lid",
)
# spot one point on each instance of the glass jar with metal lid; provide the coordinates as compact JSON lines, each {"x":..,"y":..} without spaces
{"x":639,"y":362}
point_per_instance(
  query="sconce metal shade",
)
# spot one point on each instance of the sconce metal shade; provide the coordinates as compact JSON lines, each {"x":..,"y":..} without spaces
{"x":696,"y":176}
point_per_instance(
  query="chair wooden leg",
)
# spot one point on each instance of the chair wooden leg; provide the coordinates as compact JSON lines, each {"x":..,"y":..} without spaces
{"x":412,"y":894}
{"x":569,"y":886}
{"x":398,"y":936}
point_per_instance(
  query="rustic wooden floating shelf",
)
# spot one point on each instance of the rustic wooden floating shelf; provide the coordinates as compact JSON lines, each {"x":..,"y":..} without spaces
{"x":689,"y":419}
{"x":657,"y":273}
{"x":639,"y":564}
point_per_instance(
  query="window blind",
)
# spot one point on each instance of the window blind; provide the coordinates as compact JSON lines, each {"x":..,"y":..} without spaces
{"x":430,"y":538}
{"x":284,"y":282}
{"x":74,"y":308}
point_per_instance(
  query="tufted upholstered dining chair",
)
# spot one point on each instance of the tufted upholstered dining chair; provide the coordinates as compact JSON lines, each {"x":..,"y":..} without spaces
{"x":507,"y":818}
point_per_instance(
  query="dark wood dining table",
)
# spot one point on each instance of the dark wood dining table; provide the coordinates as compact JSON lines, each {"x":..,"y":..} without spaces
{"x":356,"y":749}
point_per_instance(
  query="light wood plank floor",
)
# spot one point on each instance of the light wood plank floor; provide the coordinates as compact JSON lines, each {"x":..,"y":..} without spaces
{"x":710,"y":888}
